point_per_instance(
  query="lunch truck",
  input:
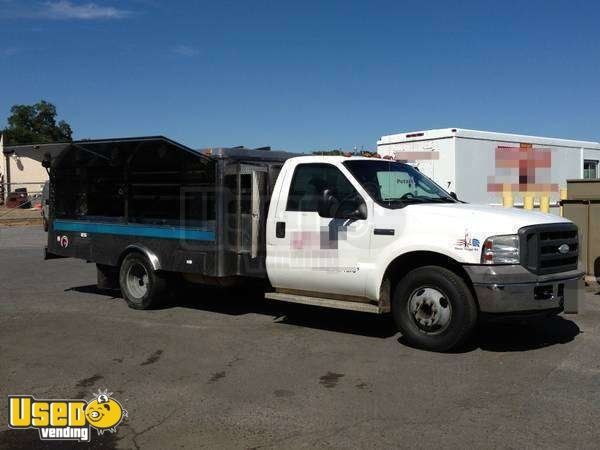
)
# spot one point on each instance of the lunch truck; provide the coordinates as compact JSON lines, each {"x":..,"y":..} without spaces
{"x":353,"y":233}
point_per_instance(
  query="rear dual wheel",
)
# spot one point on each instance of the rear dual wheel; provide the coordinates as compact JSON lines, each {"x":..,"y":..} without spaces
{"x":434,"y":309}
{"x":141,"y":286}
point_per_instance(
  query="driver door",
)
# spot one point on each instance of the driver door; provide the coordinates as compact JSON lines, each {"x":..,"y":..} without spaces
{"x":314,"y":254}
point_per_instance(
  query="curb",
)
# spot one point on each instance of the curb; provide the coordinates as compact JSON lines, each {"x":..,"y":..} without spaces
{"x":20,"y":222}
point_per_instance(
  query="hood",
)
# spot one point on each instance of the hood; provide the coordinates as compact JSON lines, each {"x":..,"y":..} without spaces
{"x":497,"y":219}
{"x":455,"y":229}
{"x":480,"y":221}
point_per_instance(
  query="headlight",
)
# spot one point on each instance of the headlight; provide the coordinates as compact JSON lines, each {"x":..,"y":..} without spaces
{"x":501,"y":250}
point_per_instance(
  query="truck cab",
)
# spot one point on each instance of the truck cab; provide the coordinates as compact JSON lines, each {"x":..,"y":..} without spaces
{"x":377,"y":235}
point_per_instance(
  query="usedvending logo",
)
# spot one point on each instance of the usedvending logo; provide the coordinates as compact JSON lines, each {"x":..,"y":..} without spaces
{"x":72,"y":420}
{"x":467,"y":243}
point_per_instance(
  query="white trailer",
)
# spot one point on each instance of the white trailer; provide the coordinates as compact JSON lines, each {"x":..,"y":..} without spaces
{"x":479,"y":165}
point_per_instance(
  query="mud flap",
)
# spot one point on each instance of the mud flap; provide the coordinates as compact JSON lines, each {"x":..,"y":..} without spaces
{"x":107,"y":277}
{"x":573,"y":296}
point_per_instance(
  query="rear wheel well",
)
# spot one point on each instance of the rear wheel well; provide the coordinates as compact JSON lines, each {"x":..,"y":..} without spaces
{"x":144,"y":252}
{"x":403,"y":264}
{"x":126,"y":252}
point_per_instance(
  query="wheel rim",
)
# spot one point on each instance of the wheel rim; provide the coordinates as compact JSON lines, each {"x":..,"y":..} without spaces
{"x":137,"y":281}
{"x":430,"y":309}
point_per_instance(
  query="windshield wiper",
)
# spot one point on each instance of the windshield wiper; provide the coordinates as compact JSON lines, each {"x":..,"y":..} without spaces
{"x":423,"y":200}
{"x":405,"y":201}
{"x":416,"y":201}
{"x":442,"y":200}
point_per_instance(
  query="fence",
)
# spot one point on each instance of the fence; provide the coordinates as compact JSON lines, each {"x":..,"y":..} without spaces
{"x":34,"y":189}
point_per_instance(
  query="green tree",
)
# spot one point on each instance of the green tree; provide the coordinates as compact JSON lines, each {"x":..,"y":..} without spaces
{"x":328,"y":152}
{"x":35,"y":124}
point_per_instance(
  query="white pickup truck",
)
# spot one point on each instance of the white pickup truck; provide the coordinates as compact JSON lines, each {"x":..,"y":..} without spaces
{"x":355,"y":233}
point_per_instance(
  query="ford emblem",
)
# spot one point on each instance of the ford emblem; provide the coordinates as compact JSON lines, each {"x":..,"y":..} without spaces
{"x":564,"y":248}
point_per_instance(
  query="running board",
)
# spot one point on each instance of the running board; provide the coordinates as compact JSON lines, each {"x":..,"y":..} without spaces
{"x":324,"y":302}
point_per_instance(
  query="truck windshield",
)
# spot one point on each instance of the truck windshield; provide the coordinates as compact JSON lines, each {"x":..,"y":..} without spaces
{"x":394,"y":185}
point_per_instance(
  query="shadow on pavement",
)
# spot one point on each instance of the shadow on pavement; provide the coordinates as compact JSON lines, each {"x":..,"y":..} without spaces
{"x":238,"y":301}
{"x":522,"y":336}
{"x":490,"y":336}
{"x":93,"y":289}
{"x":251,"y":301}
{"x":30,"y":439}
{"x":519,"y":336}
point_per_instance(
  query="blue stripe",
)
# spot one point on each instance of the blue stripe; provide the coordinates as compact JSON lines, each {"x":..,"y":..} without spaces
{"x":154,"y":231}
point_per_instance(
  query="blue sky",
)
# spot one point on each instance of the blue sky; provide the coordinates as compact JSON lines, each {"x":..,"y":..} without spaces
{"x":304,"y":75}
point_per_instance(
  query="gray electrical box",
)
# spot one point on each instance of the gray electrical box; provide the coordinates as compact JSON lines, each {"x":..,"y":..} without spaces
{"x":583,"y":208}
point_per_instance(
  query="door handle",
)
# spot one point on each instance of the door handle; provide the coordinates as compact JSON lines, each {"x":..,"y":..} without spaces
{"x":280,"y":229}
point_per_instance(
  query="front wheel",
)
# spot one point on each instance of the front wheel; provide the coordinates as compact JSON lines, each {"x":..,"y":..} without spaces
{"x":434,"y":309}
{"x":141,"y":286}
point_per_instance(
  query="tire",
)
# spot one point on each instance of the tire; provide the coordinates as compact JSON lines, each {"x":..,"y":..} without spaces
{"x":141,"y":286}
{"x":434,"y":309}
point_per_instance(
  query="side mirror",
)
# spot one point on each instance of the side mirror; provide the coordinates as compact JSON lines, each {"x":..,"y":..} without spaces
{"x":453,"y":195}
{"x":47,"y":160}
{"x":360,"y":213}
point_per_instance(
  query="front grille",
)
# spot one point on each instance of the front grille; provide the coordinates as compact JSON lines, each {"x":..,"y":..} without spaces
{"x":539,"y":246}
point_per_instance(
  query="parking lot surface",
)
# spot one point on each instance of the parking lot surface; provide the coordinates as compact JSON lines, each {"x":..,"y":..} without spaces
{"x":226,"y":369}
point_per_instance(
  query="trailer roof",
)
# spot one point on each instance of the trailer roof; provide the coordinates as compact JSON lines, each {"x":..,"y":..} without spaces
{"x":443,"y":133}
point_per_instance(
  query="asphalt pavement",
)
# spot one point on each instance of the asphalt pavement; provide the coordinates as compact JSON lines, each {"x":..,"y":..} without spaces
{"x":226,"y":369}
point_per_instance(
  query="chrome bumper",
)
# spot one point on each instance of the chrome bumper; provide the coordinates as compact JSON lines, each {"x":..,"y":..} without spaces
{"x":513,"y":289}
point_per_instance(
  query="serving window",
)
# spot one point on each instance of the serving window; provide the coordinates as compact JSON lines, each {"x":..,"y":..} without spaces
{"x":151,"y":182}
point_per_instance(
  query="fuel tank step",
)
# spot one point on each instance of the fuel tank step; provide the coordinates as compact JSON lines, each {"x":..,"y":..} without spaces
{"x":324,"y":302}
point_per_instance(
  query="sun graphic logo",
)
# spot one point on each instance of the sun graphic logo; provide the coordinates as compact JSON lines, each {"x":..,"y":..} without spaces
{"x":62,"y":419}
{"x":104,"y":413}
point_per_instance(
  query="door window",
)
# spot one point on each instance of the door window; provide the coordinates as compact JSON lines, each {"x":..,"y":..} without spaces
{"x":309,"y":182}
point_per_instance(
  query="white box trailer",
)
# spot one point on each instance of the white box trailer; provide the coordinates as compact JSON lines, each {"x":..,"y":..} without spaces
{"x":480,"y":165}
